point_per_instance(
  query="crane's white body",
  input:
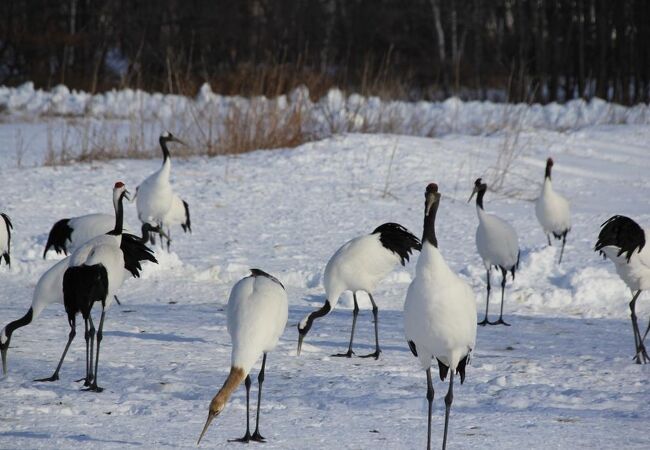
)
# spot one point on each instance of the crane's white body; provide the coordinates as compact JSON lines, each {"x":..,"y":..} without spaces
{"x":257,"y":315}
{"x":439,"y":311}
{"x":176,"y":213}
{"x":496,"y":241}
{"x":104,"y":250}
{"x":552,"y":210}
{"x":154,"y":195}
{"x":359,"y":265}
{"x":85,"y":228}
{"x":636,"y":273}
{"x":48,"y":290}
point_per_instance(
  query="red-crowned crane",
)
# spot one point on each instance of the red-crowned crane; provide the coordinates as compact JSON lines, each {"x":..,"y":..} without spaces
{"x":95,"y":272}
{"x":439,"y":313}
{"x":256,"y":315}
{"x":497,"y":244}
{"x":155,"y":199}
{"x":623,"y":241}
{"x":553,"y":211}
{"x":359,"y":265}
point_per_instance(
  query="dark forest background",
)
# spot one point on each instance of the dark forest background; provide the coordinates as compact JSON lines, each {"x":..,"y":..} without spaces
{"x":517,"y":50}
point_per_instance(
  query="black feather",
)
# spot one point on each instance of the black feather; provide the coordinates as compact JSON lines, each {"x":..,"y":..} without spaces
{"x":414,"y":350}
{"x":10,"y":227}
{"x":261,"y":273}
{"x":82,"y":287}
{"x":443,"y":369}
{"x":187,"y":226}
{"x":621,"y":232}
{"x":59,"y":235}
{"x":135,"y":251}
{"x":398,"y":239}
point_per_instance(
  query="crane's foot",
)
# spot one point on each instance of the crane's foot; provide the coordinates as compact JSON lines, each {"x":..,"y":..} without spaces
{"x":374,"y":354}
{"x":641,"y":356}
{"x":54,"y":377}
{"x":347,"y":354}
{"x":500,"y":322}
{"x":87,"y":381}
{"x":257,"y":437}
{"x":244,"y":440}
{"x":484,"y":322}
{"x":94,"y":388}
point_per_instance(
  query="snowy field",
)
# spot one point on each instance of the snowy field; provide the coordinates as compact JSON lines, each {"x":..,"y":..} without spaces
{"x":561,"y":376}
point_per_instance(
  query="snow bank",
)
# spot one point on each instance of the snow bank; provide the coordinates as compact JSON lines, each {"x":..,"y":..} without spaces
{"x":336,"y":112}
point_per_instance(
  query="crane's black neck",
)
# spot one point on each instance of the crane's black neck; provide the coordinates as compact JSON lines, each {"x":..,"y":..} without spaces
{"x":165,"y":150}
{"x":547,"y":174}
{"x":429,"y":233}
{"x":325,"y":309}
{"x":479,"y":197}
{"x":13,"y":326}
{"x":119,"y":217}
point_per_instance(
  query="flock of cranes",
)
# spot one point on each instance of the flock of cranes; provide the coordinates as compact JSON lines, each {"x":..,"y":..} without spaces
{"x":440,"y":317}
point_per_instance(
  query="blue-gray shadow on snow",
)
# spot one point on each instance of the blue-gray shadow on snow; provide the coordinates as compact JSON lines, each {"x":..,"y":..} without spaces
{"x":26,"y":434}
{"x":165,"y":337}
{"x":86,"y":438}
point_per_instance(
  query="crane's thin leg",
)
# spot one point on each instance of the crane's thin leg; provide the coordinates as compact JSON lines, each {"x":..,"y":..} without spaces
{"x":168,"y":238}
{"x":485,"y":320}
{"x":247,"y":436}
{"x":93,"y":386}
{"x":73,"y":332}
{"x":504,"y":272}
{"x":89,"y":335}
{"x":375,"y":315}
{"x":646,"y":332}
{"x":260,"y":379}
{"x":641,"y":355}
{"x":430,"y":394}
{"x":562,"y":250}
{"x":548,"y":237}
{"x":355,"y":313}
{"x":448,"y":399}
{"x":117,"y":300}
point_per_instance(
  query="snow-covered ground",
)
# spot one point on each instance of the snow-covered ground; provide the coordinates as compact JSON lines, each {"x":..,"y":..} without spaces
{"x":560,"y":377}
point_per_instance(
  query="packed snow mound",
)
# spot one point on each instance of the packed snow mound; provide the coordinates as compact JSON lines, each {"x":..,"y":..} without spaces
{"x":335,"y":112}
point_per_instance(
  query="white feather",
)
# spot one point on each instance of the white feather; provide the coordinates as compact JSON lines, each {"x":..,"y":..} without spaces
{"x":496,"y":241}
{"x":359,"y":265}
{"x":257,"y":315}
{"x":154,"y":195}
{"x":552,"y":210}
{"x":439,"y":311}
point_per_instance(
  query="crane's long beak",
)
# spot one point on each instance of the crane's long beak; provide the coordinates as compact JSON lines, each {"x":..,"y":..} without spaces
{"x":472,"y":196}
{"x":300,"y":338}
{"x":175,"y":139}
{"x":127,"y":195}
{"x":211,"y":417}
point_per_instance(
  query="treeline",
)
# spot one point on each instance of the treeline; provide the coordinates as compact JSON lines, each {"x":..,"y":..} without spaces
{"x":518,"y":50}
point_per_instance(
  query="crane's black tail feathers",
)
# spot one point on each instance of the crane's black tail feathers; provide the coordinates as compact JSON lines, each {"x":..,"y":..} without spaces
{"x":9,"y":227}
{"x":82,"y":286}
{"x":443,"y":369}
{"x":621,"y":232}
{"x":398,"y":239}
{"x":135,"y":251}
{"x":59,"y":235}
{"x":187,"y":226}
